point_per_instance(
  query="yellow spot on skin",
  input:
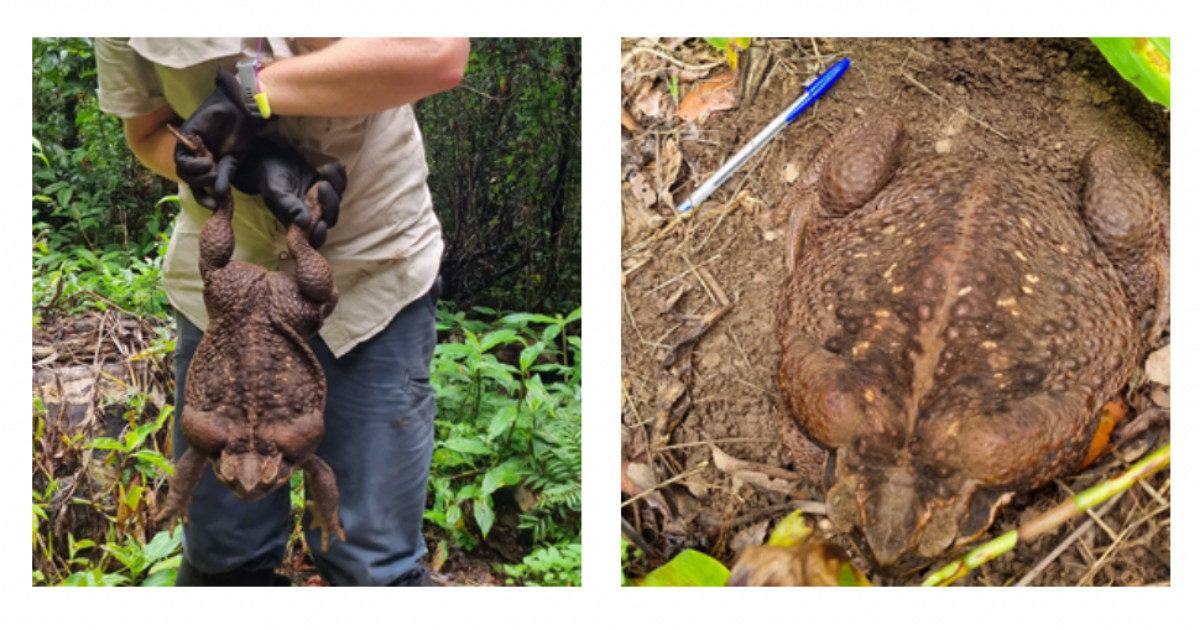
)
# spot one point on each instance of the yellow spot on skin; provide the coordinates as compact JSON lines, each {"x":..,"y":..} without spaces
{"x":898,"y":289}
{"x":1064,"y":249}
{"x":908,"y":241}
{"x":997,"y":375}
{"x":952,"y":430}
{"x":988,"y":345}
{"x":965,"y":290}
{"x":1020,"y":255}
{"x":1031,"y":279}
{"x":860,"y":348}
{"x":1027,"y":290}
{"x":1006,"y":302}
{"x":883,"y":313}
{"x":920,"y":225}
{"x":869,"y":395}
{"x":1015,"y":312}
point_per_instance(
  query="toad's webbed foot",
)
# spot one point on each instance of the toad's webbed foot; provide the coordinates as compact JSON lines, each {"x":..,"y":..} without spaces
{"x":322,"y":485}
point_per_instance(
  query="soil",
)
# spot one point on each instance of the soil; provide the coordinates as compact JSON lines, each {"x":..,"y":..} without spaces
{"x":1039,"y":103}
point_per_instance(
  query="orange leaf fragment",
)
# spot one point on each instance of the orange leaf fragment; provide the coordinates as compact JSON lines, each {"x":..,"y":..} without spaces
{"x":708,"y":96}
{"x":1111,"y":415}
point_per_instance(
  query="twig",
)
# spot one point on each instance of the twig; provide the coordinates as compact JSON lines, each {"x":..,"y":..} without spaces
{"x":629,"y":313}
{"x":956,"y":108}
{"x":1049,"y":520}
{"x":1063,"y":546}
{"x":636,"y":538}
{"x":808,"y":507}
{"x":686,"y":66}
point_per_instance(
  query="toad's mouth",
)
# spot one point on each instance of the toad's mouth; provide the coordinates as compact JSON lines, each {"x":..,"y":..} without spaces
{"x":251,"y":475}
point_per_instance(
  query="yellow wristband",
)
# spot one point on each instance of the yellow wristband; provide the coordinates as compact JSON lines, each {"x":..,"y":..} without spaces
{"x":264,"y":108}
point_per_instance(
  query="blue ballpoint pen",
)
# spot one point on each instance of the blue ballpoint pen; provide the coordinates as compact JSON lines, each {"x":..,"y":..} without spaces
{"x":811,"y":93}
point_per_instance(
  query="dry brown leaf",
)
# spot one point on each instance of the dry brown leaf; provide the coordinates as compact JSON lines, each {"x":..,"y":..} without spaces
{"x":757,"y":475}
{"x":636,"y":478}
{"x":814,"y":562}
{"x":640,"y":186}
{"x":707,"y":97}
{"x":648,"y":103}
{"x":637,"y":219}
{"x":753,"y":535}
{"x":669,"y":161}
{"x":628,"y":122}
{"x":1158,"y":366}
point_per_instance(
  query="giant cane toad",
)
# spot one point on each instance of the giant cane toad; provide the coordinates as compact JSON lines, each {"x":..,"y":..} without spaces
{"x":255,"y":394}
{"x":950,"y":329}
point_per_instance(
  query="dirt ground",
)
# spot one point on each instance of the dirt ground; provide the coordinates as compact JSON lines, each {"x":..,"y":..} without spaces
{"x":1038,"y":103}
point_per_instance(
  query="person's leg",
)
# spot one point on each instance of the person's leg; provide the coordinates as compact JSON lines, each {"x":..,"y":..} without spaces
{"x":379,"y":442}
{"x":226,"y":541}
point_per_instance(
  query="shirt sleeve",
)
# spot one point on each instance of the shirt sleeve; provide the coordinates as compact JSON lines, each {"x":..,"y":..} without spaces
{"x":129,"y":86}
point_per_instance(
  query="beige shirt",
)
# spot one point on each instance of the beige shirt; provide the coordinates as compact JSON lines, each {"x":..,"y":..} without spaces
{"x":387,"y":245}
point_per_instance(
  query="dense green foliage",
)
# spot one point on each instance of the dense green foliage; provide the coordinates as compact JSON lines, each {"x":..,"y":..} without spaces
{"x":97,"y":223}
{"x":506,"y":427}
{"x":513,"y":426}
{"x":504,"y":156}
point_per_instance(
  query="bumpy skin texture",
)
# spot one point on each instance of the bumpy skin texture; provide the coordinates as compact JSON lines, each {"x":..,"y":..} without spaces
{"x":950,"y":330}
{"x":255,"y":397}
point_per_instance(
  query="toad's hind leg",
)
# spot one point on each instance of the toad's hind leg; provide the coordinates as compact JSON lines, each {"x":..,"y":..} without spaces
{"x":846,"y":173}
{"x":187,"y":475}
{"x":322,"y":484}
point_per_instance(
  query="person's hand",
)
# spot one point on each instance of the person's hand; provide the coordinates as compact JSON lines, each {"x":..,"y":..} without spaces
{"x":227,"y":127}
{"x":280,"y":174}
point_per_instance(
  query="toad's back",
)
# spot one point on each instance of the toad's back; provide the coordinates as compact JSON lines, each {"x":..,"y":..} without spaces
{"x":253,"y":363}
{"x":958,"y":290}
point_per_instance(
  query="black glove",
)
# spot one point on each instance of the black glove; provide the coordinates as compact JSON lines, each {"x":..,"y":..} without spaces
{"x":278,"y":172}
{"x":226,"y":125}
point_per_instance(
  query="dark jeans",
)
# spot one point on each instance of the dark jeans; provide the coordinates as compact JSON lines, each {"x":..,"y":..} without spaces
{"x":378,"y":440}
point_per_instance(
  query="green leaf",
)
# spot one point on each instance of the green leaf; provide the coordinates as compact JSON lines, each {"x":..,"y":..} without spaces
{"x":1143,"y":61}
{"x":506,"y":474}
{"x":501,"y":421}
{"x":156,"y":459}
{"x":165,"y":577}
{"x":162,"y":545}
{"x":454,"y":517}
{"x":133,"y":496}
{"x":689,"y":568}
{"x":484,"y":516}
{"x":105,"y":444}
{"x":470,"y":446}
{"x":497,"y":337}
{"x":530,"y":354}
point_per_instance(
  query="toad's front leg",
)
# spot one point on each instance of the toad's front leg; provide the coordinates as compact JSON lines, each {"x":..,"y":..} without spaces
{"x":322,"y":483}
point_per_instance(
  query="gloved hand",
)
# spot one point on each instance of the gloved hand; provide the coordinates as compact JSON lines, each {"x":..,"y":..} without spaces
{"x":226,"y":125}
{"x":279,"y":173}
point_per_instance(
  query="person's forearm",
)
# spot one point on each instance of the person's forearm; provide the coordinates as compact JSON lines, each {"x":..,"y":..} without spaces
{"x":363,"y":75}
{"x":152,"y":143}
